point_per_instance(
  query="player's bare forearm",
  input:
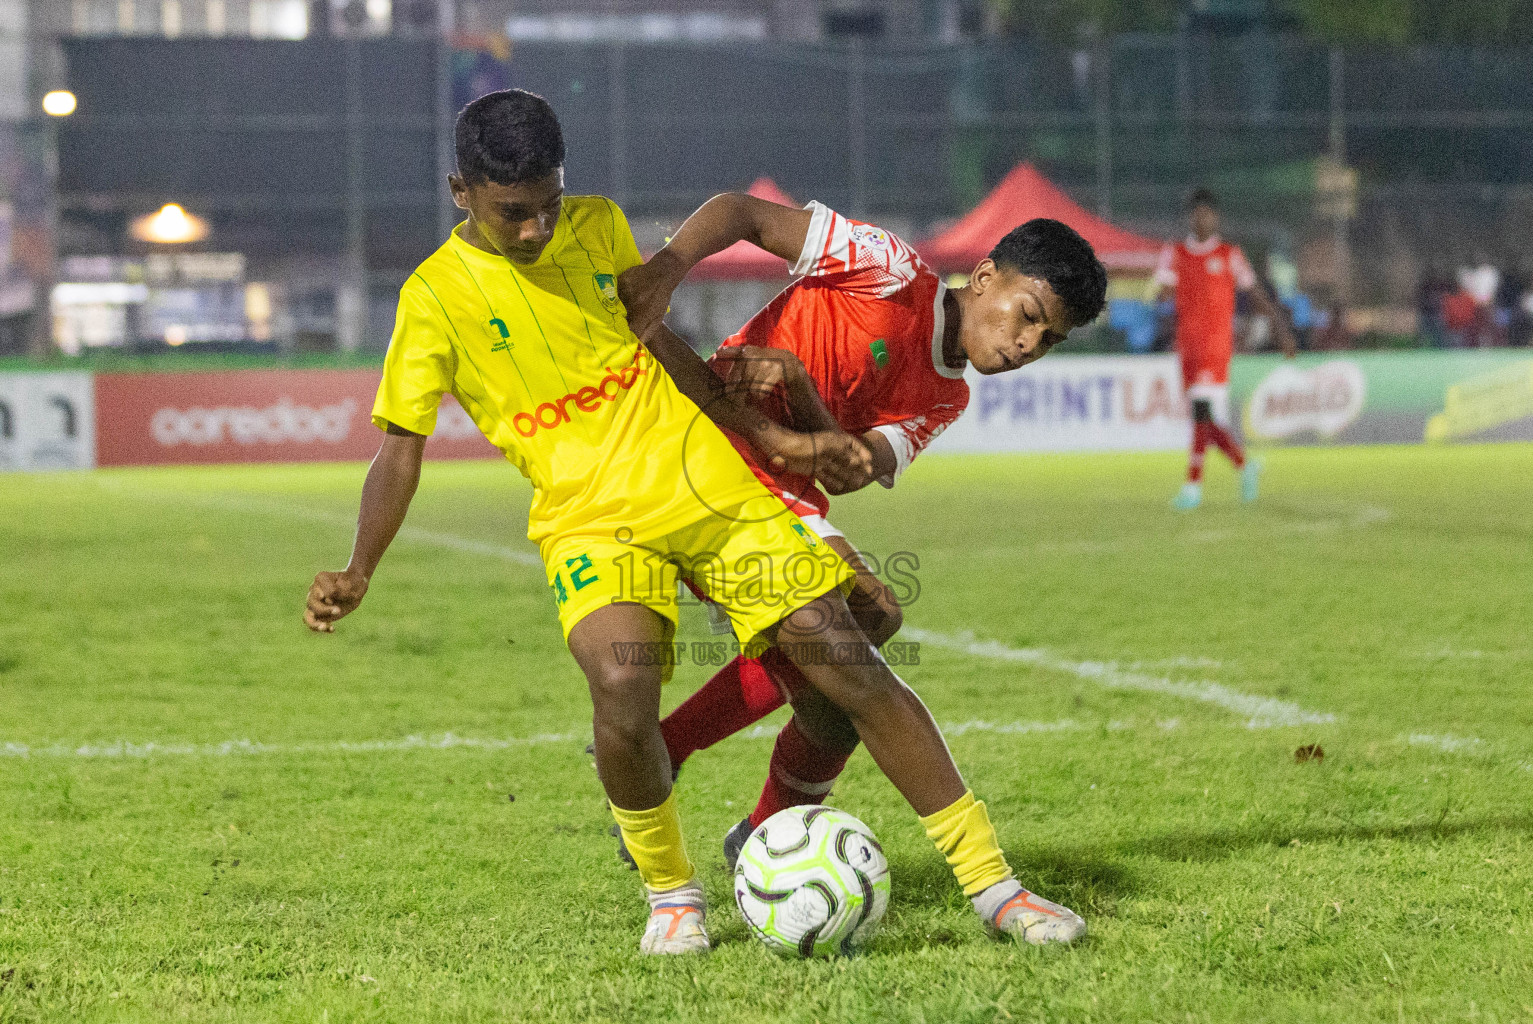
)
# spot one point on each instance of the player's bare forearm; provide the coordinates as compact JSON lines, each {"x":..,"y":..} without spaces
{"x":805,"y":402}
{"x":810,"y":454}
{"x":696,"y":379}
{"x":386,"y":494}
{"x":736,"y":217}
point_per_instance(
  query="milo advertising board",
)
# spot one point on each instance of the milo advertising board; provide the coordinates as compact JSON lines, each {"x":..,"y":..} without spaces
{"x":1385,"y":397}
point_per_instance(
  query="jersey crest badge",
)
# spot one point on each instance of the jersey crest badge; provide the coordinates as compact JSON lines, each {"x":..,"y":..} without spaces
{"x":867,"y":234}
{"x":880,"y":352}
{"x":1215,"y":265}
{"x":606,"y":287}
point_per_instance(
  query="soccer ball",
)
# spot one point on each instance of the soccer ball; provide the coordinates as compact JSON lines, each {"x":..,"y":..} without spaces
{"x":812,"y":881}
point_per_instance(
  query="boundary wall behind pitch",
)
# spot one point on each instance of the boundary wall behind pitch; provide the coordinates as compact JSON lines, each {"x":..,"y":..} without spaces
{"x":79,"y":419}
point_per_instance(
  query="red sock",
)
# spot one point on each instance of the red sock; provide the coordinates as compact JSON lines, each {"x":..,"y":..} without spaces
{"x":801,"y":773}
{"x":1226,"y":443}
{"x":786,"y":674}
{"x":740,"y":694}
{"x":1200,"y":439}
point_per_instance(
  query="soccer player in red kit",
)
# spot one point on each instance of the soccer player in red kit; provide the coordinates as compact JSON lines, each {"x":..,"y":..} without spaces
{"x":868,"y":341}
{"x":1204,"y":272}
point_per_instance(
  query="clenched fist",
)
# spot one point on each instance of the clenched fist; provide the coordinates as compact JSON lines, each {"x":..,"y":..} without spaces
{"x":333,"y":596}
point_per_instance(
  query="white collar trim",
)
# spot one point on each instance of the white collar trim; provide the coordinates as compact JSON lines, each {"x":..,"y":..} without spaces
{"x":939,"y":318}
{"x":1198,"y":248}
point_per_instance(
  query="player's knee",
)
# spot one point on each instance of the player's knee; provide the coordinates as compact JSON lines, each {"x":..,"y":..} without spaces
{"x":623,"y":698}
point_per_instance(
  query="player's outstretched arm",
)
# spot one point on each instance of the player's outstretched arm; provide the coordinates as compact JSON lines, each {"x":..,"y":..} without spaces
{"x":715,"y":226}
{"x":391,"y":483}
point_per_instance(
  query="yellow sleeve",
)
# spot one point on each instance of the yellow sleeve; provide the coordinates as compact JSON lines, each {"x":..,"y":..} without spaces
{"x":420,"y":364}
{"x":625,"y":251}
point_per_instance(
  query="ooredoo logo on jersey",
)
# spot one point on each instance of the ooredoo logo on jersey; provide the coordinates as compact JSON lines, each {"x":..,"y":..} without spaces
{"x":554,"y":414}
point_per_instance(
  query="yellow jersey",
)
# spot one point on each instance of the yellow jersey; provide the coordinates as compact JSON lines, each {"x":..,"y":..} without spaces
{"x":541,"y":357}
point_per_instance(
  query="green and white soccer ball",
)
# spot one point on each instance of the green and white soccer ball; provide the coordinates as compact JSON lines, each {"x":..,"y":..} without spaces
{"x":812,"y":881}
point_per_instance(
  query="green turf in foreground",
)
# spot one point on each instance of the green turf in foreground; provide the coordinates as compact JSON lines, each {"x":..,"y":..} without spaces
{"x":300,"y":879}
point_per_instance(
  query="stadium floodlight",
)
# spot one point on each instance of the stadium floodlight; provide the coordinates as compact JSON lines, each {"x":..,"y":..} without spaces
{"x":60,"y":103}
{"x":172,"y":225}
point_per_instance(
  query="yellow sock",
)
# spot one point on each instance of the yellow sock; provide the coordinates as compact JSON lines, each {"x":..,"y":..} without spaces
{"x":967,"y":839}
{"x":654,"y":839}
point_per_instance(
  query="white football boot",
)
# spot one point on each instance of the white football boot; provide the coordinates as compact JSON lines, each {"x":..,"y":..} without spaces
{"x":1028,"y":916}
{"x":676,"y":922}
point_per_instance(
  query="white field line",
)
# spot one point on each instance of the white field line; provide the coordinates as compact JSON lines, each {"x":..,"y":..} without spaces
{"x":1448,"y":743}
{"x":1262,"y":712}
{"x":1453,"y":654}
{"x":151,"y":748}
{"x":1259,"y":712}
{"x":125,"y":749}
{"x":409,"y":534}
{"x":1367,"y":515}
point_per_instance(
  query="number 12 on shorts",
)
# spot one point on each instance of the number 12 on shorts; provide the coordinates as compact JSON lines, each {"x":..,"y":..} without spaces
{"x":582,"y":574}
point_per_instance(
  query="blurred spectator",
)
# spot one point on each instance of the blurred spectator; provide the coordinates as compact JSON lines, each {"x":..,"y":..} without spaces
{"x":1431,"y":293}
{"x":1136,"y":319}
{"x":1512,"y":320}
{"x":1460,"y":317}
{"x":1282,"y":275}
{"x":1331,"y":333}
{"x":1304,"y":317}
{"x":1526,"y":305}
{"x":1482,"y":284}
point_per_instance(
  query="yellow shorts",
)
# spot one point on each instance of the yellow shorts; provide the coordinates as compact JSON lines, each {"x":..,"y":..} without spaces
{"x":758,"y":561}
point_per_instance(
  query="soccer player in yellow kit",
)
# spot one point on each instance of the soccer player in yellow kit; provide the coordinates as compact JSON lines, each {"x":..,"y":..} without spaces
{"x":518,"y":315}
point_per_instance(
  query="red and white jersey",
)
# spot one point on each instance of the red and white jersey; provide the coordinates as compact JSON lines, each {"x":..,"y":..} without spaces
{"x":1206,"y":276}
{"x":865,"y":318}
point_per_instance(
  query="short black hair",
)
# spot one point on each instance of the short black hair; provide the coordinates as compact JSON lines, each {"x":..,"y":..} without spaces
{"x":508,"y":137}
{"x":1052,"y":250}
{"x":1201,"y":196}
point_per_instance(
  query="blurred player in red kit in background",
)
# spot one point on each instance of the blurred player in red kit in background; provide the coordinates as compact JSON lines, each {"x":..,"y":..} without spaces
{"x":1204,"y":272}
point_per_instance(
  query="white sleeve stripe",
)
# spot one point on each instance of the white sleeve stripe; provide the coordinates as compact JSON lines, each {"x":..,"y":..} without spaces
{"x":821,"y":220}
{"x":904,"y":451}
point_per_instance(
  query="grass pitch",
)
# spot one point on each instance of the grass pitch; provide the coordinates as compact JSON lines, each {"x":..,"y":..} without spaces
{"x":210,"y":814}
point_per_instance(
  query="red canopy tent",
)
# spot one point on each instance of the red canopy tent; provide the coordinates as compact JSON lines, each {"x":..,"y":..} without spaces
{"x":1022,"y":195}
{"x":744,"y":261}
